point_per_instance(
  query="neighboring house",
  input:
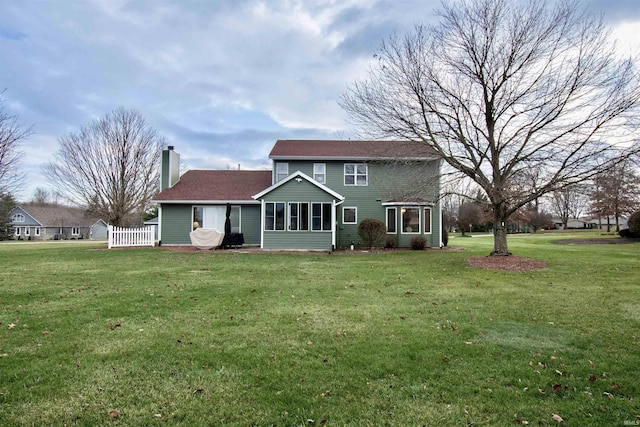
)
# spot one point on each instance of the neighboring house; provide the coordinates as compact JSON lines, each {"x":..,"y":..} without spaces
{"x":313,"y":198}
{"x":54,"y":222}
{"x":589,"y":223}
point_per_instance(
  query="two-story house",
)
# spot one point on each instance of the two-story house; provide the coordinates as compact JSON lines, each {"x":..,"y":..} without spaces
{"x":313,"y":198}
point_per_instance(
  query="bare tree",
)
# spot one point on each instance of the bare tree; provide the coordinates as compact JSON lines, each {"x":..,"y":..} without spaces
{"x":616,"y":193}
{"x":111,"y":165}
{"x":569,"y":202}
{"x":500,"y":87}
{"x":11,"y":134}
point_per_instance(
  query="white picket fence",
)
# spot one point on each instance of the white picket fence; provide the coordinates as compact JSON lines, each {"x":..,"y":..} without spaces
{"x":120,"y":237}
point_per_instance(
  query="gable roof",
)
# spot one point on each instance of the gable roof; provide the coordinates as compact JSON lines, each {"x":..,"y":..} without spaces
{"x":58,"y":215}
{"x":351,"y":150}
{"x":216,"y":186}
{"x":299,"y":175}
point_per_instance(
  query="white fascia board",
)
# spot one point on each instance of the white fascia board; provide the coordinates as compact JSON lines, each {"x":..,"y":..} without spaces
{"x":206,"y":202}
{"x":298,"y":174}
{"x":353,"y":159}
{"x":428,"y":204}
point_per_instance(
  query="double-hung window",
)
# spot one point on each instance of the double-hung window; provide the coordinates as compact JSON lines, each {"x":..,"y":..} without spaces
{"x":299,"y":216}
{"x":320,"y":172}
{"x":282,"y":171}
{"x":391,"y":220}
{"x":427,"y":220}
{"x":321,"y":216}
{"x":274,"y":216}
{"x":356,"y":174}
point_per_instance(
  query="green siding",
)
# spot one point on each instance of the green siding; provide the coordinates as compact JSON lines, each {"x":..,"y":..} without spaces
{"x":250,"y":224}
{"x":177,"y":224}
{"x":316,"y":240}
{"x":386,"y":181}
{"x":294,"y":191}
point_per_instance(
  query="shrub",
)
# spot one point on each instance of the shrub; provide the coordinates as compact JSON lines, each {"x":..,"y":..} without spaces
{"x":418,"y":243}
{"x":634,"y":223}
{"x":390,"y":242}
{"x":625,"y":232}
{"x":372,"y":232}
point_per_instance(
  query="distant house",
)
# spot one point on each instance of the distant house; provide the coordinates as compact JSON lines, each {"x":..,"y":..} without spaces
{"x":589,"y":223}
{"x":314,"y":197}
{"x":55,"y":222}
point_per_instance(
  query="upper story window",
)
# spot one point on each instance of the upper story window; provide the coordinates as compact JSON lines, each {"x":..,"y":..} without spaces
{"x":18,"y":218}
{"x":282,"y":171}
{"x":356,"y":174}
{"x":320,"y":172}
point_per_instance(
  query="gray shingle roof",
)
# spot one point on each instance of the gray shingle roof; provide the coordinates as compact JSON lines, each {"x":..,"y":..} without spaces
{"x":59,"y":216}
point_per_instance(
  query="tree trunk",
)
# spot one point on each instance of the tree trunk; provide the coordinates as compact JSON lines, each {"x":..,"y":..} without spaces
{"x":500,"y":247}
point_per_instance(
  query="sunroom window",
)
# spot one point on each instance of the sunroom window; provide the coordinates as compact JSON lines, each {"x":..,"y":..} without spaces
{"x":274,"y":216}
{"x":321,"y":216}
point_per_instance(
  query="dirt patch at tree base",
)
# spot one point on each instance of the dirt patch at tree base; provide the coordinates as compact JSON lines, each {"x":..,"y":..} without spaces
{"x":507,"y":263}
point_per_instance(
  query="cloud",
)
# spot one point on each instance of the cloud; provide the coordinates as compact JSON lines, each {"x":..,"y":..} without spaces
{"x":222,"y":80}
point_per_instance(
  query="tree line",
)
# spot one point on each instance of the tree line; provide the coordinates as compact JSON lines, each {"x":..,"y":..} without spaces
{"x":607,"y":199}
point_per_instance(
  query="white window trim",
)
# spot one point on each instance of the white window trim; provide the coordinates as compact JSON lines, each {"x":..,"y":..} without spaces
{"x":37,"y":231}
{"x":17,"y":231}
{"x":356,"y":216}
{"x":282,"y":171}
{"x":18,"y":218}
{"x":75,"y":231}
{"x":402,"y":230}
{"x":386,"y":219}
{"x":322,"y":217}
{"x":430,"y":221}
{"x":298,"y":229}
{"x":323,"y":166}
{"x":355,"y":175}
{"x":275,"y":230}
{"x":27,"y":231}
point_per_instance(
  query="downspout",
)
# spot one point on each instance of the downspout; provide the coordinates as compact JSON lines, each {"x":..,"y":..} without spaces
{"x":440,"y":223}
{"x":262,"y":224}
{"x":334,"y":236}
{"x":160,"y":225}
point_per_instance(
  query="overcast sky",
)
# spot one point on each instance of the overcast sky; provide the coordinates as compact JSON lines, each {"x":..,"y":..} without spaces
{"x":222,"y":80}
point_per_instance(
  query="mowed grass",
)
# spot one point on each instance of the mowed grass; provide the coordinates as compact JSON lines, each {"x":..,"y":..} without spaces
{"x":142,"y":337}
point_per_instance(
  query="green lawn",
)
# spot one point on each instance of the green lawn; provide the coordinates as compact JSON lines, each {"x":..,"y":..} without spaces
{"x":154,"y":337}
